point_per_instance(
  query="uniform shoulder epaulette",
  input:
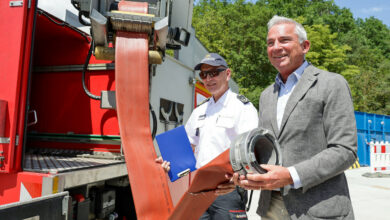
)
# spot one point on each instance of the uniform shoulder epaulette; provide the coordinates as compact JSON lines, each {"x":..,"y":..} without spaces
{"x":204,"y":101}
{"x":243,"y":99}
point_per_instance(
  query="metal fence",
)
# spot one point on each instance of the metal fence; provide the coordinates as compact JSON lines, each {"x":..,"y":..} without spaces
{"x":371,"y":128}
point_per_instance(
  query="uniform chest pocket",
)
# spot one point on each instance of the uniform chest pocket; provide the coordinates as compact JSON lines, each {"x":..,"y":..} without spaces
{"x":225,"y":121}
{"x":199,"y":124}
{"x":199,"y":127}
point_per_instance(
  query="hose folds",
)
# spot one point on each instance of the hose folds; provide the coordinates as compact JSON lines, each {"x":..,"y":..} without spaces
{"x":148,"y":181}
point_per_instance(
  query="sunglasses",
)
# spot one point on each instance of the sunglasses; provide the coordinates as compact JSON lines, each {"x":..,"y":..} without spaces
{"x":211,"y":73}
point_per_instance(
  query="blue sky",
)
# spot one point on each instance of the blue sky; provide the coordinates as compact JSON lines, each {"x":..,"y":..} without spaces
{"x":379,"y":9}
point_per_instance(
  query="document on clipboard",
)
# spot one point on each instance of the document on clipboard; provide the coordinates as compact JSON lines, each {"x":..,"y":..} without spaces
{"x":176,"y":148}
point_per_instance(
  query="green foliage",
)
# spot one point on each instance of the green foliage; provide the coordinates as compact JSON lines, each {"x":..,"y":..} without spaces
{"x":237,"y":32}
{"x":377,"y":33}
{"x":324,"y":53}
{"x":170,"y":52}
{"x":371,"y":90}
{"x":357,"y":49}
{"x":253,"y":94}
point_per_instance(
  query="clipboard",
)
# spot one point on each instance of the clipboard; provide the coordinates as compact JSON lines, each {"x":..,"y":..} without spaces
{"x":176,"y":148}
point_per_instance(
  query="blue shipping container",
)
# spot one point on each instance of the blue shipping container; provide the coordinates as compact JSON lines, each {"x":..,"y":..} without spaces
{"x":370,"y":127}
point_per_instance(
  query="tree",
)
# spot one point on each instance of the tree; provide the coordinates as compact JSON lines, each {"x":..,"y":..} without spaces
{"x":377,"y":33}
{"x":238,"y":32}
{"x":324,"y":52}
{"x":357,"y":49}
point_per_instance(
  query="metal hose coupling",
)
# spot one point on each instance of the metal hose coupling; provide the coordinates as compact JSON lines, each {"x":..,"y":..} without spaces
{"x":250,"y":149}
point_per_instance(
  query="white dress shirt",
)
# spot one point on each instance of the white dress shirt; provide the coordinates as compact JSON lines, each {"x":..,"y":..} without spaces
{"x":285,"y":90}
{"x":213,"y":125}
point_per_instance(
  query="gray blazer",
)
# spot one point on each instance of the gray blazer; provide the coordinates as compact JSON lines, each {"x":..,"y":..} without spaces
{"x":318,"y":137}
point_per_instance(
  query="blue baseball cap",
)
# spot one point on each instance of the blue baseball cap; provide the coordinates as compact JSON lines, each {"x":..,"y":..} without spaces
{"x":212,"y":59}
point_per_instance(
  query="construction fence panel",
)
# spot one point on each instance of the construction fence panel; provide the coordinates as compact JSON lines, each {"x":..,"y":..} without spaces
{"x":380,"y":156}
{"x":370,"y":127}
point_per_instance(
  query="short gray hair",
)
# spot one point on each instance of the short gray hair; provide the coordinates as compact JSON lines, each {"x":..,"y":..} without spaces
{"x":299,"y":29}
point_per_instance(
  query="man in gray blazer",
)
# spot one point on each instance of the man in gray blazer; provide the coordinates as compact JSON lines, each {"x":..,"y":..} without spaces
{"x":310,"y":112}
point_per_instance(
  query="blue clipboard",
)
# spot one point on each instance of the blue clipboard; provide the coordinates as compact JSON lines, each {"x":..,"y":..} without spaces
{"x":176,"y":148}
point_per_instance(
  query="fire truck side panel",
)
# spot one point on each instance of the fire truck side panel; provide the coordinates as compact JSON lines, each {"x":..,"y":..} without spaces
{"x":16,"y":26}
{"x":22,"y":186}
{"x":57,"y":95}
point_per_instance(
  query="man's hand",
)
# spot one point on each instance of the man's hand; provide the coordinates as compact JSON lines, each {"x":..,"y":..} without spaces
{"x":166,"y":165}
{"x":225,"y":188}
{"x":276,"y":177}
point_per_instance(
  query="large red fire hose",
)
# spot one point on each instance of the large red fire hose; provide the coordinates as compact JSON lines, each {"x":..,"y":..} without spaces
{"x":149,"y":184}
{"x":148,"y":181}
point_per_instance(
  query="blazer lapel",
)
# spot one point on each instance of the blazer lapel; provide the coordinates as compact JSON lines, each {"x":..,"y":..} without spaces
{"x":306,"y":81}
{"x":274,"y":103}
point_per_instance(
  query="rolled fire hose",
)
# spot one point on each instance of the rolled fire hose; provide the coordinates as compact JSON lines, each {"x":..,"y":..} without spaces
{"x":252,"y":148}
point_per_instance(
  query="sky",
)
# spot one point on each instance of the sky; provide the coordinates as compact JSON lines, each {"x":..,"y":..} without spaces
{"x":379,"y":9}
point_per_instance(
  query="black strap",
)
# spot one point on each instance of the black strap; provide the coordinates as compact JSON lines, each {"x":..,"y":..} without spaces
{"x":249,"y":201}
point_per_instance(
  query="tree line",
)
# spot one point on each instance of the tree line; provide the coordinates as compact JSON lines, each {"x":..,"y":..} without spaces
{"x":355,"y":48}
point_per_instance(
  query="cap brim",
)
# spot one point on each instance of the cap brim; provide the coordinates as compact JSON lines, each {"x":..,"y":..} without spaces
{"x":211,"y":63}
{"x":197,"y":67}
